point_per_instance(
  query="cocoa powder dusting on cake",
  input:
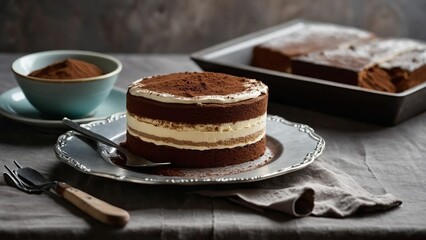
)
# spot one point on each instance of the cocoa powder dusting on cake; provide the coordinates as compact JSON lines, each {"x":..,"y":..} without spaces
{"x":196,"y":84}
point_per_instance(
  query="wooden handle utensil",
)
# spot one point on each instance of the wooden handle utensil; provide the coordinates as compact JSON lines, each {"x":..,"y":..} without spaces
{"x":98,"y":209}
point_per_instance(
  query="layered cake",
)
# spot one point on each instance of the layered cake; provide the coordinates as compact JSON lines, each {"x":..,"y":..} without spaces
{"x":404,"y":71}
{"x":197,"y":119}
{"x":356,"y":64}
{"x":276,"y":53}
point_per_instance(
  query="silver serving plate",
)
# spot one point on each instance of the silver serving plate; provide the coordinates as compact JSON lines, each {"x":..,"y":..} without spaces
{"x":290,"y":147}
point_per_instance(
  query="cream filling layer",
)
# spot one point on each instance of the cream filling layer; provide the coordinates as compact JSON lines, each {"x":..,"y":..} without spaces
{"x":197,"y":136}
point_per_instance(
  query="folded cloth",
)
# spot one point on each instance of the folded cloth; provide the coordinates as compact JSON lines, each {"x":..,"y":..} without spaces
{"x":319,"y":189}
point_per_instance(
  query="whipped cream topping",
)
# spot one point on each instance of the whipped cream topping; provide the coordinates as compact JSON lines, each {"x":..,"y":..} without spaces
{"x":318,"y":33}
{"x":409,"y":61}
{"x":365,"y":54}
{"x":253,"y":89}
{"x":383,"y":50}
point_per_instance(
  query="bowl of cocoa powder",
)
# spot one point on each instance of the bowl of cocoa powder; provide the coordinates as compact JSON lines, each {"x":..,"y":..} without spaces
{"x":66,"y":83}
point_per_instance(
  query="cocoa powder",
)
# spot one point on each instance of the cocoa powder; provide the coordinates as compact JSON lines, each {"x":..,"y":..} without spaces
{"x":196,"y":84}
{"x":68,"y":69}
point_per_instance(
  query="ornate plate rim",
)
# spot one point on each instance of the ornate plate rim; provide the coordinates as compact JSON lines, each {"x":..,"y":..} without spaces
{"x":308,"y":158}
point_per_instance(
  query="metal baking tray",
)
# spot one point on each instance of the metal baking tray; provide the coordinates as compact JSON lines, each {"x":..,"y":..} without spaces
{"x":233,"y":57}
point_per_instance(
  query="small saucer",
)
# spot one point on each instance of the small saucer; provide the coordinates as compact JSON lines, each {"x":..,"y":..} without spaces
{"x":15,"y":106}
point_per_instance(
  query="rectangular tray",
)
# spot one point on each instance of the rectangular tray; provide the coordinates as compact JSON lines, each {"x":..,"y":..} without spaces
{"x":233,"y":57}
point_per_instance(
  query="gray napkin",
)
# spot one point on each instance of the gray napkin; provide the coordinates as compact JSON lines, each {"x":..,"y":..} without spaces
{"x":320,"y":190}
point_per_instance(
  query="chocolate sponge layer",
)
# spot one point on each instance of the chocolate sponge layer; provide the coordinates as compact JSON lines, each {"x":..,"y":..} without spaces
{"x":196,"y":158}
{"x":197,"y":113}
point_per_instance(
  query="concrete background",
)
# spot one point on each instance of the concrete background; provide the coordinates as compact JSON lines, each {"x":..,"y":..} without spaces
{"x":185,"y":26}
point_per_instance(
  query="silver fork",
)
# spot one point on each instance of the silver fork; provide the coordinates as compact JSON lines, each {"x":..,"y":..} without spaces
{"x":132,"y":160}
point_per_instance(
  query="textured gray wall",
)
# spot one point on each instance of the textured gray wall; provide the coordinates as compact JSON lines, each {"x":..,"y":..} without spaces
{"x":184,"y":26}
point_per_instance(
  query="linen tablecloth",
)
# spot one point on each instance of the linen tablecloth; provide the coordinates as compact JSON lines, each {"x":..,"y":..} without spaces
{"x":380,"y":159}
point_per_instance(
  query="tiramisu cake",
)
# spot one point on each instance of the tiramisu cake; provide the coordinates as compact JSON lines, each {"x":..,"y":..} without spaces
{"x":197,"y":119}
{"x":276,"y":53}
{"x":365,"y":64}
{"x":344,"y":55}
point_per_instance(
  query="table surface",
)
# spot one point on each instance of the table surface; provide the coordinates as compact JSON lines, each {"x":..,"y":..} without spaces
{"x":381,"y":159}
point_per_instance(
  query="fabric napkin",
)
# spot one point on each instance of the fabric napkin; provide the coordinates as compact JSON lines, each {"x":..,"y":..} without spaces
{"x":320,"y":190}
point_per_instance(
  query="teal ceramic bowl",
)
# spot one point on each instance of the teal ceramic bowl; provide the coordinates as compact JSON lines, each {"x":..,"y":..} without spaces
{"x":72,"y":98}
